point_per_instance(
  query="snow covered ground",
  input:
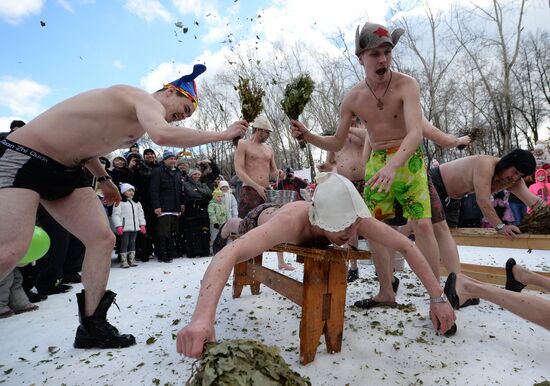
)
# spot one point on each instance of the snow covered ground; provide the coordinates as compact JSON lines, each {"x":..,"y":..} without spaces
{"x":380,"y":347}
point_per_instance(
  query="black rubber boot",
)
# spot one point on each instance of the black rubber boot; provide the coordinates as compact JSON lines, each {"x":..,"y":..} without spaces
{"x":95,"y":330}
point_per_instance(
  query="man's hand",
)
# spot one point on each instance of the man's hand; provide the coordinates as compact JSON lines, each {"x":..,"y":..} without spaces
{"x":111,"y":194}
{"x":191,"y":339}
{"x":298,"y":129}
{"x":443,"y":316}
{"x":236,"y":130}
{"x":463,"y":141}
{"x":382,"y":179}
{"x":261,"y":191}
{"x":158,"y":211}
{"x":510,"y":231}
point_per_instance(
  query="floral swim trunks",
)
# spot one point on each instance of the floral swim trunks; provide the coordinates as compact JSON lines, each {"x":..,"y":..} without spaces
{"x":409,"y":188}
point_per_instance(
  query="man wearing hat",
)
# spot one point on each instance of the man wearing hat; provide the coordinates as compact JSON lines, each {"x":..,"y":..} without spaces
{"x":255,"y":165}
{"x":389,"y":104}
{"x":42,"y":163}
{"x":288,"y":181}
{"x":165,"y":191}
{"x":336,"y":215}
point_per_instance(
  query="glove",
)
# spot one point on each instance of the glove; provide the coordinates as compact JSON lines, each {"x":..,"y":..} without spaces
{"x":216,"y":226}
{"x":142,"y":229}
{"x":119,"y":231}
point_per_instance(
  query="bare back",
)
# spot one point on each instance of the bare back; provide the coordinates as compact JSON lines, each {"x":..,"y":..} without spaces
{"x":459,"y":175}
{"x":257,"y":164}
{"x":85,"y":126}
{"x":386,"y":127}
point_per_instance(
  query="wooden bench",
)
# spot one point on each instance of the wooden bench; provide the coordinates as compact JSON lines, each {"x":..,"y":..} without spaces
{"x":321,"y":294}
{"x":483,"y":237}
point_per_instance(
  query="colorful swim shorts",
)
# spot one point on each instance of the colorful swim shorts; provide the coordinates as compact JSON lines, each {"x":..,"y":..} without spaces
{"x":409,"y":187}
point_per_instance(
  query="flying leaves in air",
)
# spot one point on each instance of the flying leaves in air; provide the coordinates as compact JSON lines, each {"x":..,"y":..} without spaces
{"x":42,"y":23}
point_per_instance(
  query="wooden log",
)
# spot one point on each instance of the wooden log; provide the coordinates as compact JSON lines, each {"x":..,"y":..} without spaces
{"x":483,"y":237}
{"x":325,"y":253}
{"x":286,"y":286}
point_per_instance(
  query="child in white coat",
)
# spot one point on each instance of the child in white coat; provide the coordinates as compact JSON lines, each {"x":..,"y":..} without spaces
{"x":128,"y":219}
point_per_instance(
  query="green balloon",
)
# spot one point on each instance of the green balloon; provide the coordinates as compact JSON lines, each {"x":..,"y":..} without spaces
{"x":40,"y":244}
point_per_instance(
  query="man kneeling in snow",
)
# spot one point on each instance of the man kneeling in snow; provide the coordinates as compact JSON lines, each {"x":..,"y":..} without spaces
{"x":336,"y":215}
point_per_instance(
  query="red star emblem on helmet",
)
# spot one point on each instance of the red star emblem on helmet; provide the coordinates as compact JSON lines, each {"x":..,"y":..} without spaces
{"x":381,"y":32}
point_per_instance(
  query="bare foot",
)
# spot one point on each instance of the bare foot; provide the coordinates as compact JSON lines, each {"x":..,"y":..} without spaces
{"x":521,"y":274}
{"x":286,"y":267}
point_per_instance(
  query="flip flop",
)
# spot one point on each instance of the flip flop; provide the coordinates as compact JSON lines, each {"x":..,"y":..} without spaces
{"x":450,"y":291}
{"x":369,"y":303}
{"x":511,"y":283}
{"x":470,"y":302}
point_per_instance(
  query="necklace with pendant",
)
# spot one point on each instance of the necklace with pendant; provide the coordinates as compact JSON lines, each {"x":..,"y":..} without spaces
{"x":380,"y":104}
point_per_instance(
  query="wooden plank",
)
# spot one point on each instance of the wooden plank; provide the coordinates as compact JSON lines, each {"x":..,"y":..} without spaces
{"x":483,"y":237}
{"x":491,"y":274}
{"x":331,"y":252}
{"x":255,"y":285}
{"x":334,"y":324}
{"x":286,"y":286}
{"x":312,"y":325}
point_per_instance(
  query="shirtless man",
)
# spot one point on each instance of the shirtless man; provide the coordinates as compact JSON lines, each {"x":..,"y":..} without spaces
{"x":43,"y":163}
{"x":255,"y":165}
{"x":338,"y":215}
{"x":389,"y":104}
{"x":349,"y":162}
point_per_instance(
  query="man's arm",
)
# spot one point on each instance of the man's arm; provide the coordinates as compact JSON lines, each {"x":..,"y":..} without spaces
{"x":332,"y":142}
{"x":273,"y":171}
{"x":150,"y":115}
{"x":444,"y":140}
{"x":381,"y":233}
{"x":412,"y":114}
{"x":111,"y":194}
{"x":522,"y":192}
{"x":483,"y":175}
{"x":330,"y":163}
{"x":191,"y":338}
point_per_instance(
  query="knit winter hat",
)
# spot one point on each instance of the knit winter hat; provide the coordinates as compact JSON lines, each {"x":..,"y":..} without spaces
{"x":522,"y":160}
{"x":193,"y":171}
{"x":336,"y":203}
{"x":217,"y":193}
{"x":180,"y":161}
{"x":125,"y":187}
{"x":373,"y":35}
{"x":223,"y":184}
{"x":167,"y":154}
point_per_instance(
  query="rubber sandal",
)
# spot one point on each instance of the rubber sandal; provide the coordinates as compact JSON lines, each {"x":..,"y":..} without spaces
{"x":511,"y":283}
{"x":450,"y":291}
{"x":395,"y":284}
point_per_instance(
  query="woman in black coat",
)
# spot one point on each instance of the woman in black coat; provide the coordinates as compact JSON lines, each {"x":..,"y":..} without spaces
{"x":196,"y":230}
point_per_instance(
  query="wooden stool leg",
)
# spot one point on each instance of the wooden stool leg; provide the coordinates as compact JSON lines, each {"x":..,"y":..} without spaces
{"x":239,"y":276}
{"x":255,"y":286}
{"x":311,"y":325}
{"x":336,"y":296}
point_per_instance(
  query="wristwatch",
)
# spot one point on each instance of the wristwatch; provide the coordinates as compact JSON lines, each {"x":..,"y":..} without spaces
{"x":104,"y":178}
{"x":440,"y":299}
{"x":500,"y":226}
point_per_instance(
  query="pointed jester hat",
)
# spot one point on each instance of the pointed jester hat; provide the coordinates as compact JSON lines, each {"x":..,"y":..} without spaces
{"x":373,"y":35}
{"x":186,"y":84}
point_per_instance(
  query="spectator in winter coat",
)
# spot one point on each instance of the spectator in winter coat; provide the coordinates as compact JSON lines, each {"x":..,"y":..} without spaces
{"x":541,"y":187}
{"x":165,"y":191}
{"x":197,"y":224}
{"x":217,"y":212}
{"x":121,"y":173}
{"x":128,"y":219}
{"x":229,"y":200}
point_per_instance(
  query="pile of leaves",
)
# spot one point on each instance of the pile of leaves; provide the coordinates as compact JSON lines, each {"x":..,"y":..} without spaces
{"x":474,"y":133}
{"x":537,"y":222}
{"x":251,"y":96}
{"x":297,"y":95}
{"x":243,"y":362}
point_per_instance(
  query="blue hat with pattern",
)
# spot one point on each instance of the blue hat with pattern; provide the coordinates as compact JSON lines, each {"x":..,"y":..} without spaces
{"x":186,"y":84}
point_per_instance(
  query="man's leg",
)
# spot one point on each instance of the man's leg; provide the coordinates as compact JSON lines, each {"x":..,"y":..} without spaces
{"x":384,"y":269}
{"x":425,"y":240}
{"x":18,"y":211}
{"x":448,"y":252}
{"x":82,"y":214}
{"x":527,"y":306}
{"x":527,"y":277}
